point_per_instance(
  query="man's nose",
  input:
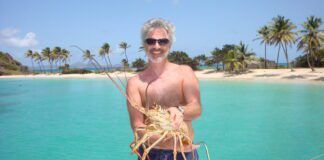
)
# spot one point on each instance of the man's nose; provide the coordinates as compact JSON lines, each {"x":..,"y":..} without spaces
{"x":156,"y":45}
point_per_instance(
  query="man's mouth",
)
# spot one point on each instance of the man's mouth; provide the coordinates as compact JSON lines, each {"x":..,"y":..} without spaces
{"x":157,"y":54}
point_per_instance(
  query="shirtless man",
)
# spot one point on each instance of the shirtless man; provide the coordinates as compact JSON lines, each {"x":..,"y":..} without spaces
{"x":173,"y":86}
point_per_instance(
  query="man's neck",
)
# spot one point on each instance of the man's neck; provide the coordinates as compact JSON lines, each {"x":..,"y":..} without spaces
{"x":158,"y":68}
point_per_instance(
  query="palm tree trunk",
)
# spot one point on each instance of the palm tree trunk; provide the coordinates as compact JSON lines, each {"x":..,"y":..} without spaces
{"x":232,"y":66}
{"x":43,"y":66}
{"x":286,"y":55}
{"x":40,"y":67}
{"x":287,"y":60}
{"x":278,"y":57}
{"x":265,"y":55}
{"x":310,"y":66}
{"x":125,"y":73}
{"x":243,"y":65}
{"x":32,"y":65}
{"x":109,"y":62}
{"x":125,"y":66}
{"x":313,"y":62}
{"x":106,"y":62}
{"x":126,"y":56}
{"x":51,"y":66}
{"x":120,"y":81}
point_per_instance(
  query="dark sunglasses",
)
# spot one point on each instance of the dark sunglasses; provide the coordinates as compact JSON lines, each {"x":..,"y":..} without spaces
{"x":161,"y":42}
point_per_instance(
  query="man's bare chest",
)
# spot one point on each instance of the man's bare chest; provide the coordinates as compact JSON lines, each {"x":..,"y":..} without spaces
{"x":166,"y":92}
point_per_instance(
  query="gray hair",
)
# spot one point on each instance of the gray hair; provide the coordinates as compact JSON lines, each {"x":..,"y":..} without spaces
{"x":157,"y":23}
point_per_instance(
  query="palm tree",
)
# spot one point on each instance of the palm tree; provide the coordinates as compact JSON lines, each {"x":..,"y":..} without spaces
{"x":224,"y":51}
{"x":281,"y":34}
{"x":38,"y":58}
{"x":210,"y":62}
{"x":217,"y":57}
{"x":231,"y":60}
{"x":200,"y":58}
{"x":264,"y":33}
{"x":311,"y":39}
{"x":47,"y":54}
{"x":29,"y":54}
{"x":139,"y":64}
{"x":90,"y":57}
{"x":56,"y":54}
{"x":124,"y":62}
{"x":105,"y":50}
{"x":179,"y":57}
{"x":124,"y":46}
{"x":65,"y":55}
{"x":41,"y":62}
{"x":87,"y":55}
{"x":244,"y":56}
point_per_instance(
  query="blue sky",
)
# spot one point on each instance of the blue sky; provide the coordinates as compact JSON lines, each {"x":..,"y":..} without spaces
{"x":200,"y":25}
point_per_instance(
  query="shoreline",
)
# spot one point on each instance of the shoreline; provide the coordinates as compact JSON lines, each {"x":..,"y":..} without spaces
{"x":303,"y":75}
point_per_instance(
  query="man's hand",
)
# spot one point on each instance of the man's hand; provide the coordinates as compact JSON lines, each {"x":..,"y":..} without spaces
{"x":176,"y":116}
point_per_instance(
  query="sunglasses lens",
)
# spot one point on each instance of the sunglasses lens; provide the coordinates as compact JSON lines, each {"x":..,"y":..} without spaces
{"x":150,"y":41}
{"x":163,"y":41}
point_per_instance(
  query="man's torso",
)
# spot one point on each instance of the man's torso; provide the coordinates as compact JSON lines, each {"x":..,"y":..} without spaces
{"x":167,"y":91}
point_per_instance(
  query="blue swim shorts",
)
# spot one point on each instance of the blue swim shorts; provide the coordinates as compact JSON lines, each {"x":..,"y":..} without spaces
{"x":164,"y":154}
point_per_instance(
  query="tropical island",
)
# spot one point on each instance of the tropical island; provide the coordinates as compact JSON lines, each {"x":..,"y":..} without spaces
{"x":231,"y":61}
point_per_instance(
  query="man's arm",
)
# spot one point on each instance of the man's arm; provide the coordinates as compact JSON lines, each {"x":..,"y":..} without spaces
{"x":192,"y":109}
{"x":136,"y":117}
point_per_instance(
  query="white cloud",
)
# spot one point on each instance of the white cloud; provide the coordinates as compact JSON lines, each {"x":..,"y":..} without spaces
{"x":10,"y":37}
{"x":8,"y":32}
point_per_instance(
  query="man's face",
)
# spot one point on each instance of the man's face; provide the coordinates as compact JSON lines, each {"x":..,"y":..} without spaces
{"x":157,"y":51}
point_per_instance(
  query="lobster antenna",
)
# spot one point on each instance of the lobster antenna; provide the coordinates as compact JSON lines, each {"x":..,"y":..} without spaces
{"x":98,"y":66}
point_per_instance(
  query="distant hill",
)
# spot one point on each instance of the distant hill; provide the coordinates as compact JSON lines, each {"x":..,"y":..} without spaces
{"x":8,"y":65}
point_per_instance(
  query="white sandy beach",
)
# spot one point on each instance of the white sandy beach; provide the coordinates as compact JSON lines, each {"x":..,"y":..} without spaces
{"x":270,"y":75}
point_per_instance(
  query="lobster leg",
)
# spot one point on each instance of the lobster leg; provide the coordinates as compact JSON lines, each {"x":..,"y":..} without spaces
{"x":154,"y":144}
{"x":175,"y":146}
{"x":181,"y":147}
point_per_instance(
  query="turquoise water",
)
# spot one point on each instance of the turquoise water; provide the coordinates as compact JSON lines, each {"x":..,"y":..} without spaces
{"x":50,"y":119}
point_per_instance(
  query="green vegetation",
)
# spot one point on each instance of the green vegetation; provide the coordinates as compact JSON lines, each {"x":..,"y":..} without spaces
{"x":10,"y":66}
{"x":304,"y":60}
{"x":310,"y":41}
{"x":264,"y":33}
{"x":125,"y":62}
{"x":56,"y":56}
{"x":181,"y":57}
{"x":105,"y":50}
{"x":139,"y":64}
{"x":76,"y":71}
{"x":279,"y":33}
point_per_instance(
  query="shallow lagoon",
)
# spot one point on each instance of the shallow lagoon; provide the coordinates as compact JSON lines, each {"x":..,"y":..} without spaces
{"x":87,"y":119}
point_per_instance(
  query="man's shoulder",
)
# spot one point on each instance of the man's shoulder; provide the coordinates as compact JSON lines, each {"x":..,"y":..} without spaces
{"x":183,"y":68}
{"x":186,"y":69}
{"x":133,"y":81}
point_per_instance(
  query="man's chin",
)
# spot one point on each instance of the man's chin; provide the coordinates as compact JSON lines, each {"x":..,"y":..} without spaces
{"x":156,"y":60}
